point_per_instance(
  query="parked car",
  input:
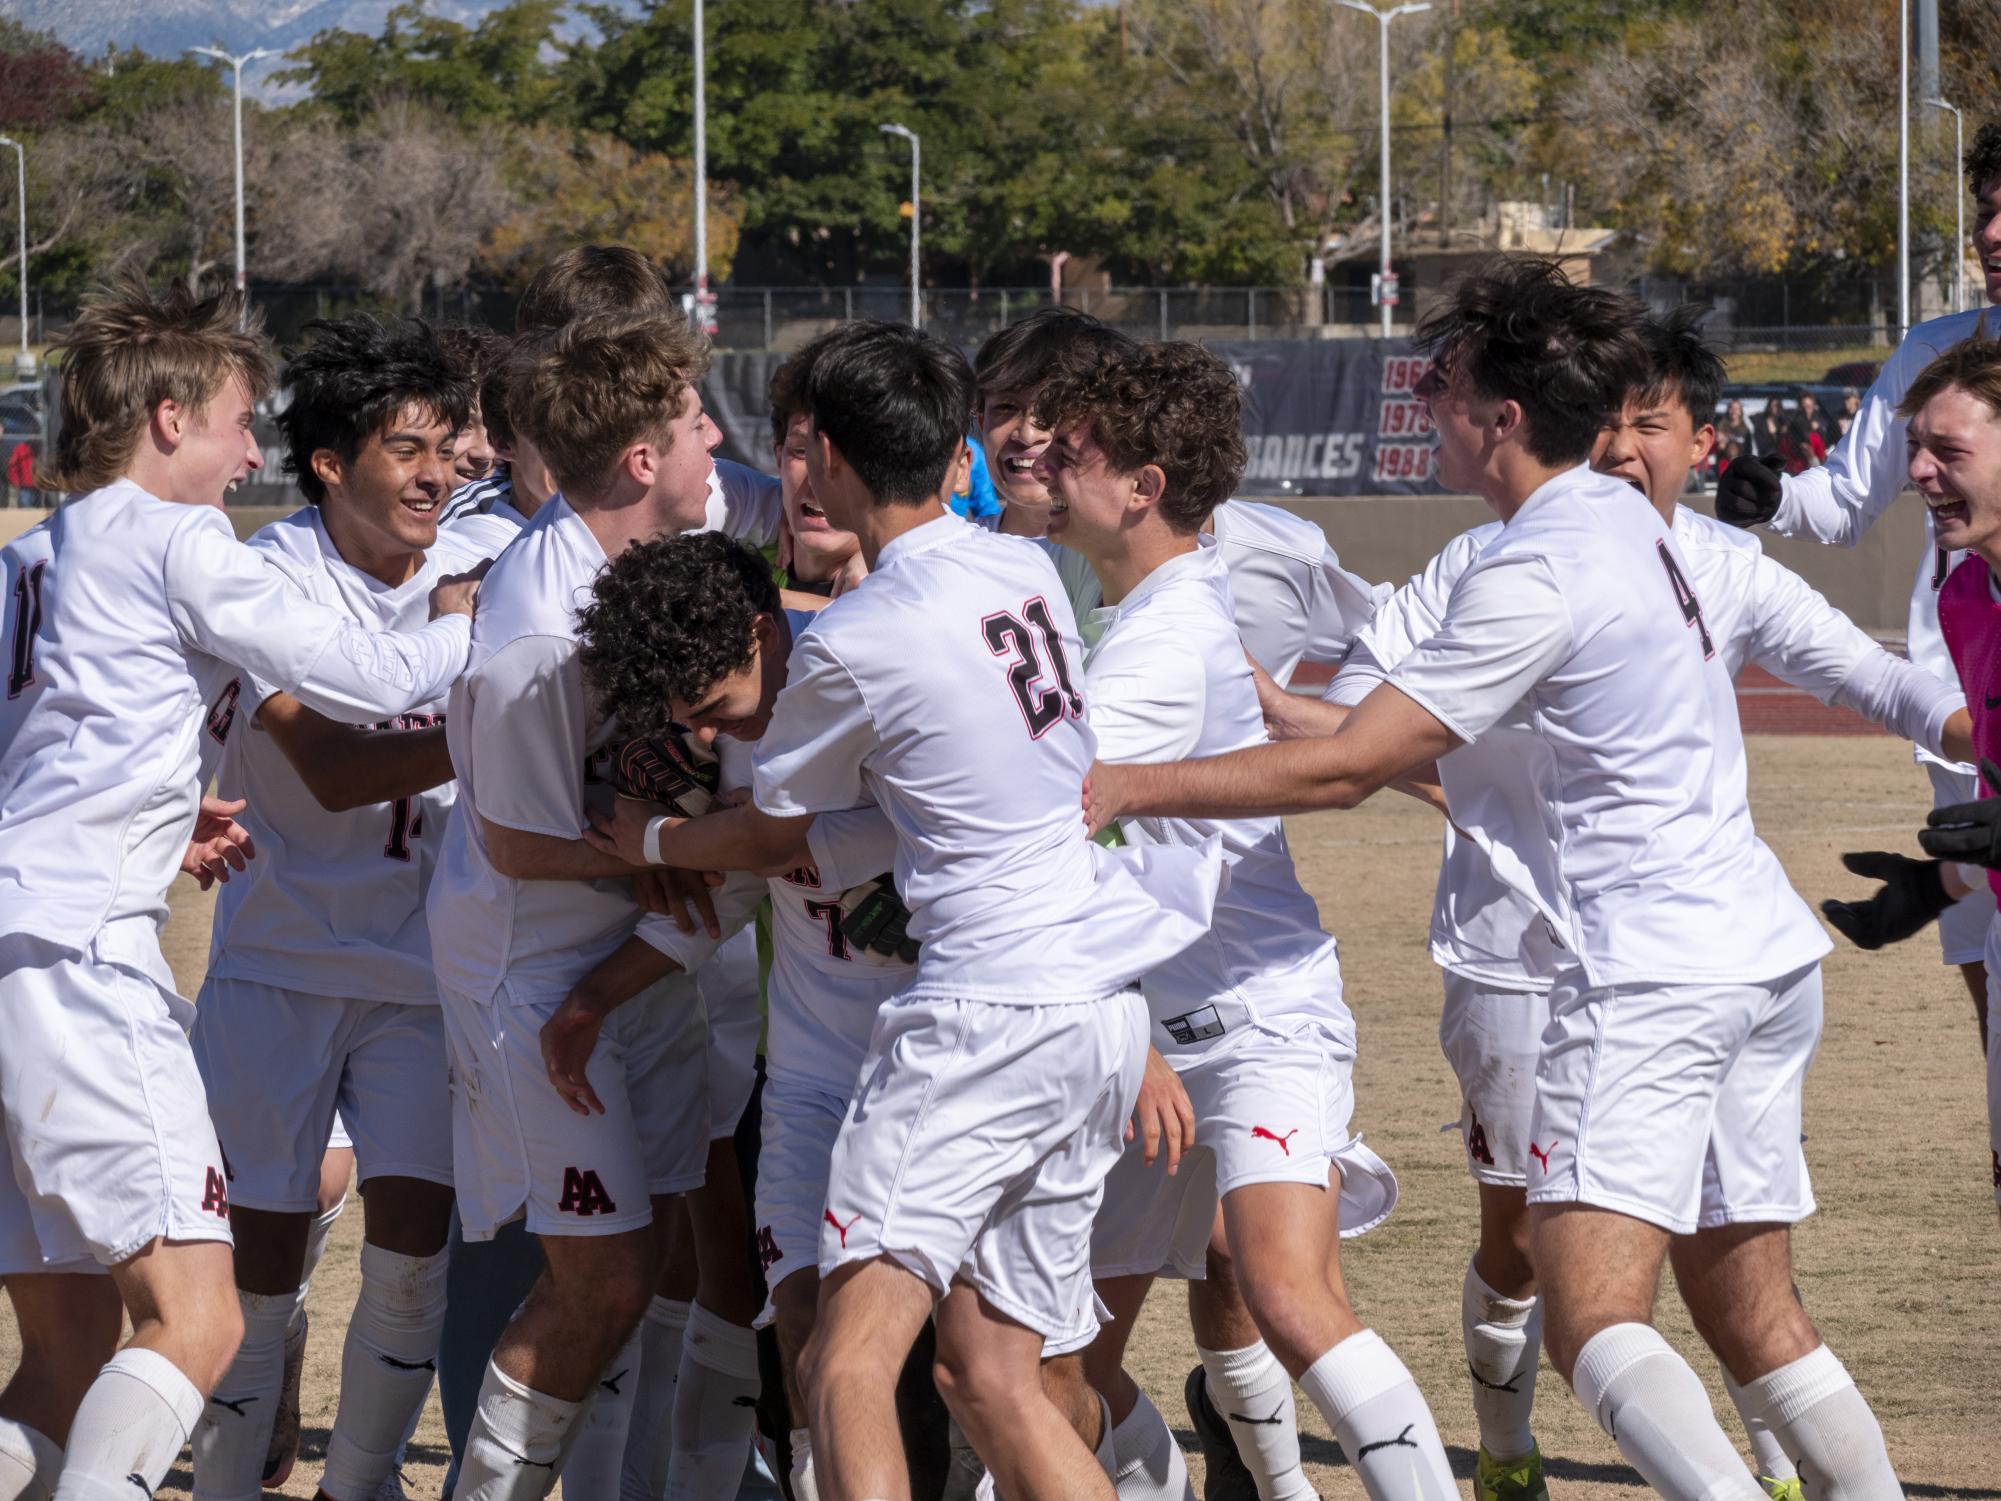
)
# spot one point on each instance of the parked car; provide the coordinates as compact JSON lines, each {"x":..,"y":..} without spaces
{"x":1856,"y":373}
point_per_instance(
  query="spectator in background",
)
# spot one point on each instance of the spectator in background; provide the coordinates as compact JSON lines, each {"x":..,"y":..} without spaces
{"x":21,"y":477}
{"x":1818,"y":422}
{"x":1735,"y":427}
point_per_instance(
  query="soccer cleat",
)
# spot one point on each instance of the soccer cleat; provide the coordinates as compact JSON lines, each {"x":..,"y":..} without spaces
{"x":284,"y":1450}
{"x":391,"y":1488}
{"x":1225,"y":1477}
{"x":1511,"y":1480}
{"x":1782,"y":1490}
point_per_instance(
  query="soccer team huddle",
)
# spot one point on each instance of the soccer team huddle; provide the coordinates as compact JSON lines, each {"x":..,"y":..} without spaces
{"x":700,"y":903}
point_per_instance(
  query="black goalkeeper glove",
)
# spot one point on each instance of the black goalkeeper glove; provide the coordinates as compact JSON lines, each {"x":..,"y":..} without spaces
{"x":1967,"y":831}
{"x":1748,"y":492}
{"x":875,"y":922}
{"x":670,"y":769}
{"x":1910,"y":899}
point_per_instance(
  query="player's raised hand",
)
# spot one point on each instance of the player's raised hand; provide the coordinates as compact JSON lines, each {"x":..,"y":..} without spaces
{"x":569,"y":1037}
{"x":219,"y":845}
{"x":1163,"y":1118}
{"x":1967,"y":831}
{"x":621,"y":829}
{"x":1749,"y":491}
{"x":454,"y":595}
{"x":1912,"y":895}
{"x":852,"y":572}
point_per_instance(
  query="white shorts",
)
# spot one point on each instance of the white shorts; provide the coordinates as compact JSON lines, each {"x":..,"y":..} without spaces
{"x":1994,"y":1051}
{"x":1962,"y":927}
{"x":516,"y":1146}
{"x":284,"y":1068}
{"x":1677,"y":1104}
{"x":730,"y":994}
{"x":1492,"y":1038}
{"x":800,"y":1122}
{"x":1273,"y":1107}
{"x":977,"y":1146}
{"x":106,"y":1126}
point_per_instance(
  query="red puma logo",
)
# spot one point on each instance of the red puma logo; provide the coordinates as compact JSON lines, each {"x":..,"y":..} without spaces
{"x":1260,"y":1131}
{"x":1541,"y":1154}
{"x":839,"y":1228}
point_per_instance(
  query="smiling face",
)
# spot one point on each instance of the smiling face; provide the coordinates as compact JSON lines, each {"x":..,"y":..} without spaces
{"x":217,"y":450}
{"x":1089,"y":503}
{"x":1012,"y":441}
{"x":472,"y":452}
{"x":819,"y":548}
{"x":739,"y":704}
{"x":381,"y":507}
{"x":1955,"y":453}
{"x":1987,"y":235}
{"x":1652,"y":445}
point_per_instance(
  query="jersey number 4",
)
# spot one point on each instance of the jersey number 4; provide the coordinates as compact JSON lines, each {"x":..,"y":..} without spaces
{"x":27,"y":625}
{"x":1042,"y":704}
{"x":1691,"y":607}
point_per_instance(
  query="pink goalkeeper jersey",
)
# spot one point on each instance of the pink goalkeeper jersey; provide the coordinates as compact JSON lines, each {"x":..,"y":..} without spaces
{"x":1969,"y":617}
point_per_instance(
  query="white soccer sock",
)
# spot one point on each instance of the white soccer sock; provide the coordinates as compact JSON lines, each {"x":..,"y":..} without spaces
{"x":1767,"y":1455}
{"x":1503,"y":1344}
{"x":386,"y":1368}
{"x":596,"y":1461}
{"x":517,"y":1441}
{"x":129,"y":1428}
{"x":30,"y":1461}
{"x":1818,"y":1415}
{"x":1106,"y":1453}
{"x":234,"y":1433}
{"x":804,"y":1486}
{"x":649,"y":1440}
{"x":1645,"y":1396}
{"x":1252,"y":1392}
{"x":715,"y":1408}
{"x":1146,"y":1462}
{"x":1381,"y":1420}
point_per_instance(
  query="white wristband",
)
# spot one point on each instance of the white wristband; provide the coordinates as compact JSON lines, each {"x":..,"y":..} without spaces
{"x":650,"y":846}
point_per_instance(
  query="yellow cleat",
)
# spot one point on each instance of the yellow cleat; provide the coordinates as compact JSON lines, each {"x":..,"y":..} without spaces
{"x":1782,"y":1490}
{"x":1515,"y":1479}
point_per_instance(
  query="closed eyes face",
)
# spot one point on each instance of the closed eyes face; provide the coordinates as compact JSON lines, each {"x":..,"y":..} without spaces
{"x":1955,"y":463}
{"x":1652,"y":446}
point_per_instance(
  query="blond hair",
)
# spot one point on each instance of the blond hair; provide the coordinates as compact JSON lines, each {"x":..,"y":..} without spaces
{"x":128,"y":351}
{"x":585,"y":393}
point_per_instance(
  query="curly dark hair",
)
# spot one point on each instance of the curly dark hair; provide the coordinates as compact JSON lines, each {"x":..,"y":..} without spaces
{"x":1516,"y":329}
{"x":1684,"y":367}
{"x":1048,"y":342}
{"x":667,"y":621}
{"x":1176,"y":406}
{"x":355,"y":378}
{"x":1983,"y":158}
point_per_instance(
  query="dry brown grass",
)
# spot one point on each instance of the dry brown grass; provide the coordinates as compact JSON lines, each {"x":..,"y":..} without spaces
{"x":1900,"y":1268}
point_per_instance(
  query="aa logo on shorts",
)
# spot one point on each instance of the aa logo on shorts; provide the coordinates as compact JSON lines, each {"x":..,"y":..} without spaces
{"x":767,"y":1249}
{"x":583,"y":1193}
{"x":215,"y":1196}
{"x":1476,"y":1141}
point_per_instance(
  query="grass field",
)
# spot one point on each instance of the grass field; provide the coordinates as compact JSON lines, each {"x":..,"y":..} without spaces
{"x":1808,"y":365}
{"x":1901,"y":1268}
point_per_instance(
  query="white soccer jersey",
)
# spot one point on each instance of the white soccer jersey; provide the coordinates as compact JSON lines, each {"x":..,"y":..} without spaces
{"x":1167,"y":681}
{"x":478,"y":495}
{"x":946,"y":688}
{"x":1292,"y":600}
{"x":1840,"y":500}
{"x":1577,"y":650}
{"x":334,"y":903}
{"x":520,"y":727}
{"x":1757,"y":610}
{"x":744,"y":503}
{"x":98,"y":775}
{"x":481,"y":515}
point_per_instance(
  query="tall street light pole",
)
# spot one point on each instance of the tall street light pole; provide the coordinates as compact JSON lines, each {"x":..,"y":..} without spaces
{"x":236,"y":66}
{"x":704,"y":317}
{"x":916,"y":293}
{"x":21,"y":163}
{"x":1903,"y":167}
{"x":1958,"y":202}
{"x":1385,"y":278}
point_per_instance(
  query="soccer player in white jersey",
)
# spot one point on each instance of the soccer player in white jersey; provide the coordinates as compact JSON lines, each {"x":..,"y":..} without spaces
{"x":1840,"y":500}
{"x":1496,"y":994}
{"x":1575,"y":659}
{"x":319,"y":989}
{"x":1144,"y":446}
{"x":115,"y":1159}
{"x":996,"y":1088}
{"x":521,"y":907}
{"x":690,"y":633}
